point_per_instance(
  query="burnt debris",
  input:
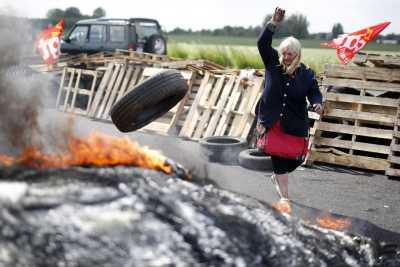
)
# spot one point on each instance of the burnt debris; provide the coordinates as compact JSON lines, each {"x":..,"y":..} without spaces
{"x":126,"y":216}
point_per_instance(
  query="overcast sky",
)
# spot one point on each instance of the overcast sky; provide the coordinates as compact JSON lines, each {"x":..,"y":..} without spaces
{"x":211,"y":14}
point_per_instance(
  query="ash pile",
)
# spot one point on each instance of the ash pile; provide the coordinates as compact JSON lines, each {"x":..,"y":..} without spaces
{"x":127,"y":216}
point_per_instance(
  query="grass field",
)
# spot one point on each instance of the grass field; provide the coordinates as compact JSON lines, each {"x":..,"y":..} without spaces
{"x":241,"y":52}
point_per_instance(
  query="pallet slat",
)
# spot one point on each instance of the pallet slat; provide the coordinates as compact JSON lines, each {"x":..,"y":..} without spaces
{"x":194,"y":112}
{"x":108,"y":91}
{"x":359,"y":115}
{"x":362,"y":73}
{"x":392,"y":172}
{"x":362,"y":162}
{"x":395,"y":147}
{"x":360,"y":84}
{"x":356,"y":130}
{"x":352,"y":145}
{"x":394,"y":159}
{"x":114,"y":92}
{"x":100,"y":91}
{"x":369,"y":100}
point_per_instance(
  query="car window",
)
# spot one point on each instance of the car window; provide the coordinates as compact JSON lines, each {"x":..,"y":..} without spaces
{"x":97,"y":34}
{"x":117,"y":33}
{"x":146,"y":29}
{"x":79,"y":34}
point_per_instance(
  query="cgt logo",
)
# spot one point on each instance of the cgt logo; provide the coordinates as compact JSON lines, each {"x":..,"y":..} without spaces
{"x":351,"y":42}
{"x":347,"y":45}
{"x":48,"y":49}
{"x":47,"y":43}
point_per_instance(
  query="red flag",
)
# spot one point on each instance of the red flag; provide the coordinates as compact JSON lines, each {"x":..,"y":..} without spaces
{"x":47,"y":42}
{"x":347,"y":45}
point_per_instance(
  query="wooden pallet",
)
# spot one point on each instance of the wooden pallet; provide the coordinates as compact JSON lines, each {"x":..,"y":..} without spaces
{"x":224,"y":105}
{"x":70,"y":89}
{"x":130,"y":54}
{"x":394,"y":154}
{"x":119,"y":56}
{"x":120,"y":78}
{"x":132,"y":57}
{"x":169,"y":122}
{"x":378,"y":60}
{"x":117,"y":81}
{"x":356,"y":129}
{"x":201,"y":65}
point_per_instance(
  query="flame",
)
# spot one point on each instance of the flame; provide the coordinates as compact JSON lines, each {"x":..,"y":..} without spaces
{"x":283,"y":207}
{"x":6,"y":160}
{"x":98,"y":149}
{"x":334,"y":223}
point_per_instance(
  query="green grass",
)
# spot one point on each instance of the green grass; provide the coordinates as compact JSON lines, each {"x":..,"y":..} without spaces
{"x":241,"y":53}
{"x":213,"y":40}
{"x":251,"y":41}
{"x":242,"y":57}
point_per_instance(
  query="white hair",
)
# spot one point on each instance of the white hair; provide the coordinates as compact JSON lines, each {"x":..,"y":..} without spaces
{"x":293,"y":45}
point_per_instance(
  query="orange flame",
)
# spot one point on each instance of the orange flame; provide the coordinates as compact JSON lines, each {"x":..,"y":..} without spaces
{"x":7,"y":160}
{"x":283,"y":207}
{"x":98,"y":149}
{"x":334,"y":223}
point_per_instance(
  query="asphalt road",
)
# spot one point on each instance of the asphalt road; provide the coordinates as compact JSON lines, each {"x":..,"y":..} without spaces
{"x":370,"y":199}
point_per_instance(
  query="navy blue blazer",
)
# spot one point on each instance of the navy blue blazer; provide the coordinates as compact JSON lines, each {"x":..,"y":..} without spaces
{"x":284,"y":99}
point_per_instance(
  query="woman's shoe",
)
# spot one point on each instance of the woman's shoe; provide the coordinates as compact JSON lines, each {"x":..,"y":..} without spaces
{"x":275,"y":183}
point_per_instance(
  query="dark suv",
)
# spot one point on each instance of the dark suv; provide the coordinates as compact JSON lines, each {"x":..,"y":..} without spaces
{"x":95,"y":35}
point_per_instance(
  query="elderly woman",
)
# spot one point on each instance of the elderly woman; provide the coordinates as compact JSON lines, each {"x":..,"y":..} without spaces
{"x":283,"y":104}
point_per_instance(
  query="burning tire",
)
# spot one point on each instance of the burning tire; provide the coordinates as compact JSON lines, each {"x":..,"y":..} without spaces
{"x":255,"y":160}
{"x":222,"y":149}
{"x":149,"y":100}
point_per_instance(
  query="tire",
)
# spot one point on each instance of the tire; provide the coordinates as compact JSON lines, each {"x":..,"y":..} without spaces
{"x":254,"y":159}
{"x":156,"y":44}
{"x":222,"y":149}
{"x":149,"y":100}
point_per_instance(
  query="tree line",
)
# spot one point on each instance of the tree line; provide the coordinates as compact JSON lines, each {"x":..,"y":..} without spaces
{"x":294,"y":25}
{"x":70,"y":16}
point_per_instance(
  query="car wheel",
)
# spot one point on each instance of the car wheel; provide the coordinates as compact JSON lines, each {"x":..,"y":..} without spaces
{"x":255,"y":159}
{"x":156,"y":44}
{"x":222,"y":149}
{"x":149,"y":100}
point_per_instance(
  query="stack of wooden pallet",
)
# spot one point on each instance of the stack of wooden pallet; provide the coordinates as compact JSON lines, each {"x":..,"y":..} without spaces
{"x":117,"y":79}
{"x":102,"y":58}
{"x":216,"y":104}
{"x":360,"y":114}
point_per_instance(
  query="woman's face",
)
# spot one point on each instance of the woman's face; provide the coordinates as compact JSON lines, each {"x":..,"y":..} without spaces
{"x":288,"y":57}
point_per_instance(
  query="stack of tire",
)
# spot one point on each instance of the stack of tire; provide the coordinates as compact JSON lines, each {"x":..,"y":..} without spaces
{"x":230,"y":150}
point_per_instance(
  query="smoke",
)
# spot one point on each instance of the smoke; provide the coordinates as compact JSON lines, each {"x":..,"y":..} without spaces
{"x":24,"y":92}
